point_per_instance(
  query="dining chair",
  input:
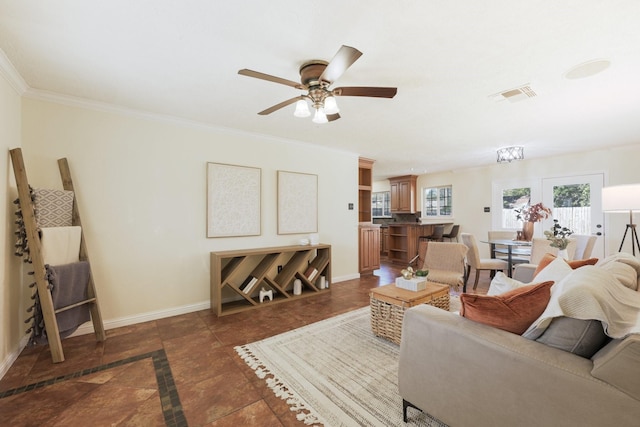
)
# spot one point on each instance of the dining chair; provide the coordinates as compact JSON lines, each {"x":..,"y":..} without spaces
{"x":453,"y":233}
{"x":501,"y":235}
{"x":541,"y":246}
{"x":584,"y":245}
{"x":479,"y":264}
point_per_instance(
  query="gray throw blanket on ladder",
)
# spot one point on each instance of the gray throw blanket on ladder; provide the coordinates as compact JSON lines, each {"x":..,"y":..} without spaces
{"x":68,"y":286}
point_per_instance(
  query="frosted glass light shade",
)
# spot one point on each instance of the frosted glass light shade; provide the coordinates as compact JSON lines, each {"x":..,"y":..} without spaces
{"x":331,"y":106}
{"x":302,"y":109}
{"x":320,"y":117}
{"x":621,"y":198}
{"x":509,"y":154}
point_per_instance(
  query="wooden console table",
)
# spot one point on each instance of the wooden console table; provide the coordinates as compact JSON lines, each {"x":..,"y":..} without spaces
{"x":274,"y":269}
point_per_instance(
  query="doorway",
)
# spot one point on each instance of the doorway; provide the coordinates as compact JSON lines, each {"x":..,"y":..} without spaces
{"x":576,"y":202}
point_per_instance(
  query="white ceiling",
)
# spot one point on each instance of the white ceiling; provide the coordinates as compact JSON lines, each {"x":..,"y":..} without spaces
{"x":181,"y":58}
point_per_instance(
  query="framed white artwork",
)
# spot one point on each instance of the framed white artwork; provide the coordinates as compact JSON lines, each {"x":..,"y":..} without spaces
{"x":297,"y":203}
{"x":233,"y":200}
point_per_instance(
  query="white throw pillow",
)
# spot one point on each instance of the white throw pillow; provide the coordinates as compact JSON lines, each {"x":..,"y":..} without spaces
{"x":502,"y":283}
{"x":557,"y":270}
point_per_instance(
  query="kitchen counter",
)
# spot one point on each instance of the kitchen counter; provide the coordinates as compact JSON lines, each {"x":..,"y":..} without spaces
{"x":403,"y":240}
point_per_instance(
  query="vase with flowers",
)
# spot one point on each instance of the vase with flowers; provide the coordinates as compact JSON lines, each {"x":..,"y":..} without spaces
{"x":529,"y":215}
{"x":558,"y":236}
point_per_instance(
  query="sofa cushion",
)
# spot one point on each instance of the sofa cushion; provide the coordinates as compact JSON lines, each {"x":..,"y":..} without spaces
{"x":555,"y":271}
{"x":502,"y":283}
{"x":512,"y":311}
{"x":581,"y":337}
{"x":548,"y":258}
{"x":617,"y":364}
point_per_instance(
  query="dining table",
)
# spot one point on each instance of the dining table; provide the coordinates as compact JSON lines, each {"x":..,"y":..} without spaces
{"x":512,"y":247}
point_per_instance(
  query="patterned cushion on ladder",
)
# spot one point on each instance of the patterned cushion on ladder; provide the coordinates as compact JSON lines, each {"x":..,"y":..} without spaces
{"x":54,"y":208}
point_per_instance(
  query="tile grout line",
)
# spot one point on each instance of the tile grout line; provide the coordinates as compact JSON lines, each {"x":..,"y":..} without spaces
{"x":168,"y":393}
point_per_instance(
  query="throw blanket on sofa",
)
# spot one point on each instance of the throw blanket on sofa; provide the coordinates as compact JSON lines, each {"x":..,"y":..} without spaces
{"x":591,"y":292}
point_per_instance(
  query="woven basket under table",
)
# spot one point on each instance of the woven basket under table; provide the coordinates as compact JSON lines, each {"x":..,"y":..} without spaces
{"x":388,"y":304}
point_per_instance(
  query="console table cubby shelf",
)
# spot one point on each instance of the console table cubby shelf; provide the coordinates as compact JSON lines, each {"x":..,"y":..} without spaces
{"x":274,"y":268}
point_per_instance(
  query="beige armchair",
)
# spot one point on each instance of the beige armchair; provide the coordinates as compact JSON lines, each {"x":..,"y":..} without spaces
{"x":446,"y":263}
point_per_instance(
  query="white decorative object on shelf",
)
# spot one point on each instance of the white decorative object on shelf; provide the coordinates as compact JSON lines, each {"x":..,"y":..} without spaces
{"x":323,"y":283}
{"x":297,"y":287}
{"x":415,"y":284}
{"x":266,"y":293}
{"x":314,"y":239}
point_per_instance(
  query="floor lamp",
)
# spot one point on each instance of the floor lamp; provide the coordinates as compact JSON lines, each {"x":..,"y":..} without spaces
{"x":623,"y":198}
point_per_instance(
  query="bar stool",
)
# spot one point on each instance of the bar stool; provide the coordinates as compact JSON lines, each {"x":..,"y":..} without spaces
{"x":437,"y":235}
{"x":453,"y":234}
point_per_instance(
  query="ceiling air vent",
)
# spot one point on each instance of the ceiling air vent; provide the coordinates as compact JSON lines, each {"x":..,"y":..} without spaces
{"x":514,"y":95}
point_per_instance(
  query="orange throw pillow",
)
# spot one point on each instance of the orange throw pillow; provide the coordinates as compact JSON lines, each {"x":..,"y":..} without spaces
{"x":513,"y":311}
{"x":548,"y":258}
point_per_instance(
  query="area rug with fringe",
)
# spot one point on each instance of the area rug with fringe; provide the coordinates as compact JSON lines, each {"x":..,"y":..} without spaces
{"x":335,"y":372}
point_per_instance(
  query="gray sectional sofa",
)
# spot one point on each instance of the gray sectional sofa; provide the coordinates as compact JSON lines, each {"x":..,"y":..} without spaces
{"x":469,"y":374}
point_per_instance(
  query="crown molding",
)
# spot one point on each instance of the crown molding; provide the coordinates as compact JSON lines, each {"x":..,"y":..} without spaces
{"x":72,"y":101}
{"x":11,"y":74}
{"x":22,"y":88}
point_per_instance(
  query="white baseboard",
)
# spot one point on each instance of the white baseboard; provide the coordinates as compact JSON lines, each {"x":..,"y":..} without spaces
{"x":345,"y":278}
{"x":87,"y":328}
{"x":8,"y":361}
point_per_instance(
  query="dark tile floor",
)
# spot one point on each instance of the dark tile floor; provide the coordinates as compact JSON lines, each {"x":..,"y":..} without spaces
{"x":176,"y":371}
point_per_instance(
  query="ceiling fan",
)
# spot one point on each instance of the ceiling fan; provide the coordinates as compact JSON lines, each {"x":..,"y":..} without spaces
{"x":316,"y":77}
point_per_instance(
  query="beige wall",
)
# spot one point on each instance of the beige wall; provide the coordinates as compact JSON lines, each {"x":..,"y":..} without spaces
{"x":141,"y":187}
{"x":472,"y":188}
{"x":13,"y":300}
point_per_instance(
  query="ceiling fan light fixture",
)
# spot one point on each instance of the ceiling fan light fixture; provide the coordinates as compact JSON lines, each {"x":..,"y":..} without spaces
{"x":320,"y":116}
{"x":316,"y":78}
{"x":330,"y":105}
{"x":302,"y":109}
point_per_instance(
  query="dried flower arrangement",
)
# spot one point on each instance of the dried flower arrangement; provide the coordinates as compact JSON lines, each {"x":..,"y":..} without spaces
{"x":533,"y":213}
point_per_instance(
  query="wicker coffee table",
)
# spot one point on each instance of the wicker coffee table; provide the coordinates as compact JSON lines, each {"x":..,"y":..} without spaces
{"x":388,"y":304}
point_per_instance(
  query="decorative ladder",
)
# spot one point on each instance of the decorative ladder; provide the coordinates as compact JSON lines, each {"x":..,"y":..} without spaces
{"x":37,"y":260}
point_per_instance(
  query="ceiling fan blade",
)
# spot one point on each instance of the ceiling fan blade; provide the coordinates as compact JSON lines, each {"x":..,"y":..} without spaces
{"x":332,"y":117}
{"x":270,"y":78}
{"x":375,"y":92}
{"x":281,"y":105}
{"x":341,"y":61}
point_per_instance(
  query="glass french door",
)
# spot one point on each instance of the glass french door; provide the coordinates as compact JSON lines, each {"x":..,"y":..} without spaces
{"x":576,"y":202}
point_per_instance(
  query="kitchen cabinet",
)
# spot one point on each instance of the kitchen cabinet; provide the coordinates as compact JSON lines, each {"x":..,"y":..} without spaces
{"x":365,"y":182}
{"x":369,"y":242}
{"x":403,"y":194}
{"x":403,"y":241}
{"x":384,"y":240}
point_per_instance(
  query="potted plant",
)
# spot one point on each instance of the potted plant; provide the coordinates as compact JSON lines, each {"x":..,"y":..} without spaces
{"x":529,"y":215}
{"x":558,"y":235}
